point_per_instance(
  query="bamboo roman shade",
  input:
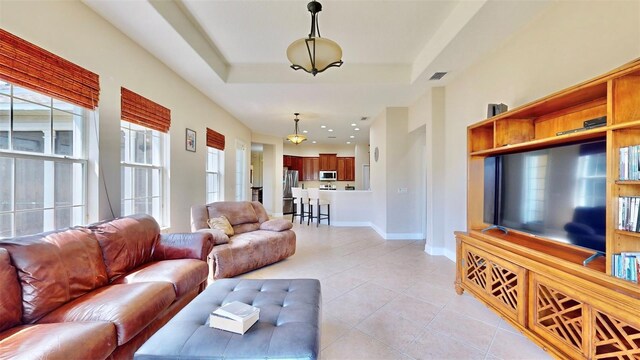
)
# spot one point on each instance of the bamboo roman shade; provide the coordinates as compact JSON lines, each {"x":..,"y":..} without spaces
{"x":215,"y":139}
{"x":142,"y":111}
{"x":25,"y":64}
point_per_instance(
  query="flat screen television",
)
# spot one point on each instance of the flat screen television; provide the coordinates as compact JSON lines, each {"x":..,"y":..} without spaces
{"x":558,"y":193}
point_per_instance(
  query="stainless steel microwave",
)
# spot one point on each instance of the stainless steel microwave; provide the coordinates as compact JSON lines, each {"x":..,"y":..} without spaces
{"x":328,"y":175}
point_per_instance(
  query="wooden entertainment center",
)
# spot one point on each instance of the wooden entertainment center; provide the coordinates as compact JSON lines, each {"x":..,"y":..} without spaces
{"x":538,"y":285}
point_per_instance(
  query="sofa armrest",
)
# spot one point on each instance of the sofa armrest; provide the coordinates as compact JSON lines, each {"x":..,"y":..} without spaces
{"x":219,"y":237}
{"x":183,"y":246}
{"x":276,"y":225}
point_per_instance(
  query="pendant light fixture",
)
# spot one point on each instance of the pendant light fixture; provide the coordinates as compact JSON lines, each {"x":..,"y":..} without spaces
{"x":296,"y":138}
{"x":314,"y":54}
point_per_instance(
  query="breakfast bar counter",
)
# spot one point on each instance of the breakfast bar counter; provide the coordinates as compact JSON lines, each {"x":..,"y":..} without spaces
{"x":349,"y":207}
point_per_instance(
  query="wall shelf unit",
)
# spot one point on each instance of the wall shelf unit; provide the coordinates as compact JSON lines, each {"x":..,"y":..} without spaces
{"x":540,"y":285}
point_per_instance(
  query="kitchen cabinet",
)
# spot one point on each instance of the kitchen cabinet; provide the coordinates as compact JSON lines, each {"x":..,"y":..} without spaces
{"x":311,"y":167}
{"x":286,"y":161}
{"x":294,"y":163}
{"x":328,"y":162}
{"x":298,"y":164}
{"x":346,"y":168}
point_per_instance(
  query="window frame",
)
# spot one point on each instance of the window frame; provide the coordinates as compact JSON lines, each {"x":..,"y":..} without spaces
{"x":219,"y":172}
{"x":48,"y":155}
{"x":162,"y":166}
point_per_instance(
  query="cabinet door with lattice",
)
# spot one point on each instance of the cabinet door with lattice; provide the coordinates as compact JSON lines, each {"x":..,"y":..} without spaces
{"x":499,"y":282}
{"x":559,"y":314}
{"x":615,"y":337}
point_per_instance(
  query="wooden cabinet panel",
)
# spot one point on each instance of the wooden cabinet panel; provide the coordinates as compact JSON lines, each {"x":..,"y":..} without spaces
{"x":350,"y":169}
{"x":298,"y":165}
{"x":346,"y":168}
{"x":499,"y":282}
{"x":341,"y":169}
{"x":311,"y":166}
{"x":286,"y":161}
{"x":559,"y":316}
{"x":328,"y":162}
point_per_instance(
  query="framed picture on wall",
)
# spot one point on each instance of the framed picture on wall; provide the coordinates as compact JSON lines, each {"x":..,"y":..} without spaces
{"x":190,"y":140}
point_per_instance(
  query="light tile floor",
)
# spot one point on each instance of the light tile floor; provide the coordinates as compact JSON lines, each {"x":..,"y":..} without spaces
{"x":391,"y":300}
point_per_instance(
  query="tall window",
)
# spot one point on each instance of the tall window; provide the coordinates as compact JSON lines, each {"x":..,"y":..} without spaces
{"x":142,"y":170}
{"x":215,"y":164}
{"x":43,"y":162}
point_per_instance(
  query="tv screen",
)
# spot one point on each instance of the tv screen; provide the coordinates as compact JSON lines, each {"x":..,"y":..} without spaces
{"x":558,"y":193}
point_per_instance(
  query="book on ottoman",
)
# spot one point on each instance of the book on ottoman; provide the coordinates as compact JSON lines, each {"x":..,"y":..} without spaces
{"x":235,"y":317}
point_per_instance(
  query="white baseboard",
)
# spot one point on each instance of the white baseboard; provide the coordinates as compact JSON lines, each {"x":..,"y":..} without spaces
{"x":397,"y":236}
{"x":351,"y":223}
{"x":434,"y":250}
{"x":450,"y":254}
{"x":440,"y":251}
{"x":404,"y":236}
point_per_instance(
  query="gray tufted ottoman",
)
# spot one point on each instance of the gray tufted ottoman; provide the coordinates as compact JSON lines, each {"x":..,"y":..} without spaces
{"x":289,"y":325}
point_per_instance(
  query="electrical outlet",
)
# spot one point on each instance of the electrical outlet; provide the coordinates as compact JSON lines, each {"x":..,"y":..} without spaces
{"x":402,"y":190}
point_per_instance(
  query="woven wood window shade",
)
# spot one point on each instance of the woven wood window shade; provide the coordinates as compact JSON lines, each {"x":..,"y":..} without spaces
{"x":142,"y":111}
{"x":215,"y":139}
{"x":25,"y":64}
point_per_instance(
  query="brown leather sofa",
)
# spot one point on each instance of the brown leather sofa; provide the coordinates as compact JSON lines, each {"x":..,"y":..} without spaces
{"x":256,"y":242}
{"x":95,"y":292}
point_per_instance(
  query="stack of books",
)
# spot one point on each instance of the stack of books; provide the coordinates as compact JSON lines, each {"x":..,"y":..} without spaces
{"x":235,"y":317}
{"x":625,"y":265}
{"x":630,"y":162}
{"x":628,"y":213}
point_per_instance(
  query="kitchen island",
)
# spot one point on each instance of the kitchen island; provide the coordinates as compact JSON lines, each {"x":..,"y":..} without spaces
{"x":349,"y":207}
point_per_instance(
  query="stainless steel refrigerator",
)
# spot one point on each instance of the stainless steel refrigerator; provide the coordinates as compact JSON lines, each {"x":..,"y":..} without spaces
{"x":289,"y":180}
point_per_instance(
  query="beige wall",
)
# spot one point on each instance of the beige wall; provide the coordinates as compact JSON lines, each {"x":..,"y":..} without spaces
{"x":397,"y":178}
{"x":569,"y":43}
{"x":73,"y":31}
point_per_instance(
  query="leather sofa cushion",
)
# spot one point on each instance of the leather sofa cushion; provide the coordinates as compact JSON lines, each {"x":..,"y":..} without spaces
{"x":250,"y":251}
{"x":276,"y":225}
{"x":245,"y":228}
{"x":237,"y":212}
{"x":55,"y":268}
{"x":185,"y":274}
{"x":126,"y":243}
{"x":130,"y":307}
{"x":11,"y":299}
{"x":62,"y":341}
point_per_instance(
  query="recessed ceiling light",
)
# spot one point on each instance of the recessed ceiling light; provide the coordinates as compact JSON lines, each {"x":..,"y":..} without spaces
{"x":323,"y":126}
{"x":313,"y":142}
{"x":357,"y":129}
{"x":348,"y":142}
{"x":330,"y":130}
{"x":352,"y":136}
{"x":353,"y":124}
{"x":305,"y":131}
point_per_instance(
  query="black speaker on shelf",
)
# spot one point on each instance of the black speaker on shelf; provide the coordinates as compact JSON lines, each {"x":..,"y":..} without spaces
{"x":495,"y":109}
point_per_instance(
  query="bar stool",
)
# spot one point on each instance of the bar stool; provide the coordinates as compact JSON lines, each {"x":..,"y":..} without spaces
{"x":315,"y":198}
{"x":300,"y":199}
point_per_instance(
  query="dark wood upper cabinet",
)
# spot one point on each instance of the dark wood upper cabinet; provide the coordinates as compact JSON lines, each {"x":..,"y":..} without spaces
{"x":346,"y":168}
{"x":328,"y":162}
